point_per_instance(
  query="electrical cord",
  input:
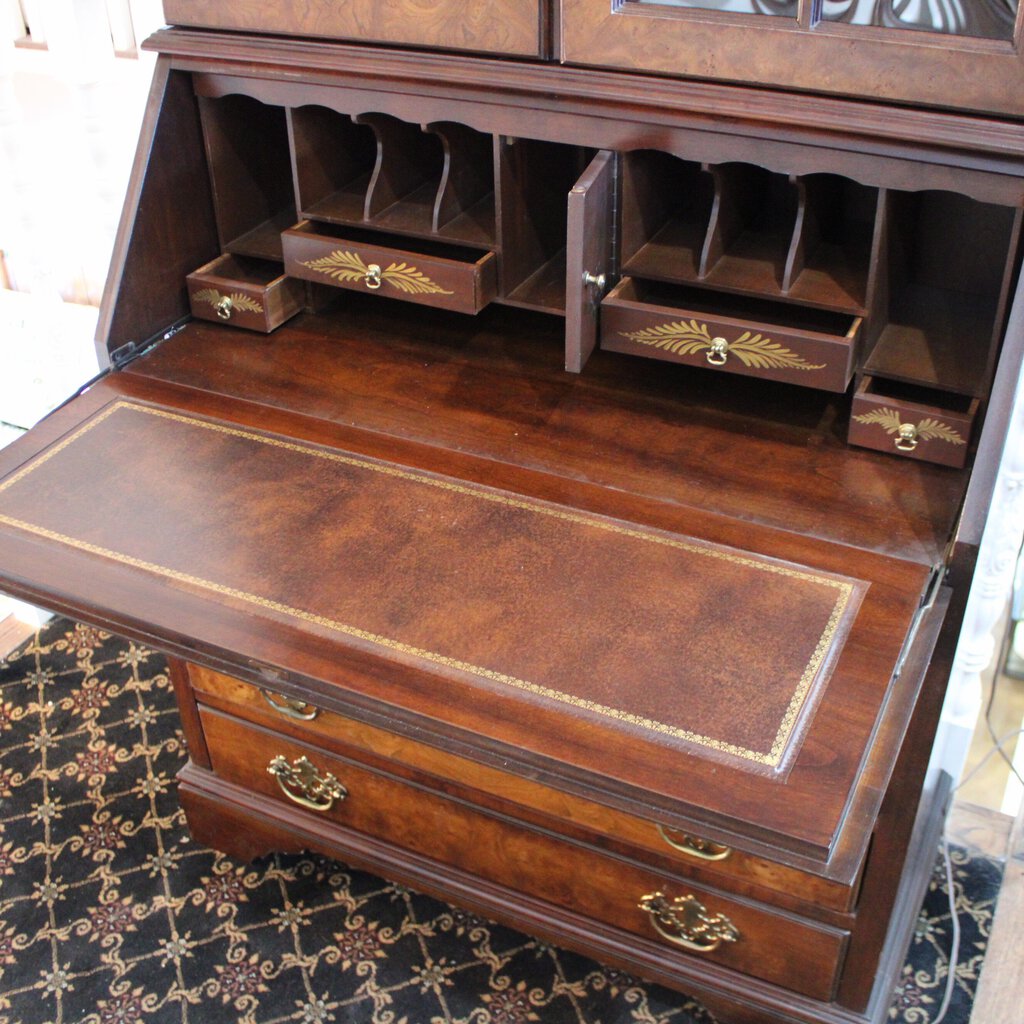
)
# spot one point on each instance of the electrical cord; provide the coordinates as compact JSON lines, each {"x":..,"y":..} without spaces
{"x":954,"y":946}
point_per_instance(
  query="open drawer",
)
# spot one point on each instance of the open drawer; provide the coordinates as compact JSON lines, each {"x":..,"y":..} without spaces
{"x":423,"y":271}
{"x":607,"y":653}
{"x":731,"y":333}
{"x":245,"y":292}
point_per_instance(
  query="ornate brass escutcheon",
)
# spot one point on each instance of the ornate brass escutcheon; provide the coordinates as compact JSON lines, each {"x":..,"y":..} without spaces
{"x":718,"y":354}
{"x":685,"y":922}
{"x":906,"y":437}
{"x":303,"y":784}
{"x":693,"y":846}
{"x":289,"y":706}
{"x":224,"y":308}
{"x":373,"y":276}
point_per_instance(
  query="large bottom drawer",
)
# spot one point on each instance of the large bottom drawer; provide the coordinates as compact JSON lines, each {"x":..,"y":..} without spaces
{"x":693,"y":922}
{"x":692,"y":854}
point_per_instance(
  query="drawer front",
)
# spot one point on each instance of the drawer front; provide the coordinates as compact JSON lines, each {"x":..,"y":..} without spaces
{"x":728,"y":344}
{"x":256,"y":301}
{"x":512,"y":26}
{"x":881,"y":419}
{"x":465,"y":285}
{"x":341,"y":791}
{"x":690,"y":855}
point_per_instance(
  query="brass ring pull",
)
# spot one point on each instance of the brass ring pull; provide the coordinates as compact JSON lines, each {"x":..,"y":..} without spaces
{"x":906,"y":437}
{"x":289,"y":706}
{"x":303,"y":784}
{"x":224,"y":308}
{"x":685,"y":922}
{"x":718,"y":354}
{"x":693,"y":846}
{"x":373,"y":276}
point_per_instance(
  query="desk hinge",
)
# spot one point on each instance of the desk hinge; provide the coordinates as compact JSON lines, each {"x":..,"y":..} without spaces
{"x":928,"y":596}
{"x":132,"y":350}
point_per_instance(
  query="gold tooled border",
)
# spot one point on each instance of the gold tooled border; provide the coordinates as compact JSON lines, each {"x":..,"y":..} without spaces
{"x":772,"y":758}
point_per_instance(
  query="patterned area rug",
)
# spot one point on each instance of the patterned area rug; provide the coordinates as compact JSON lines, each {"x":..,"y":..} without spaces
{"x":110,"y":915}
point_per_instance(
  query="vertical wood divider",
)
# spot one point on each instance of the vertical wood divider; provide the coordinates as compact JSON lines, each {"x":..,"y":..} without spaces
{"x":467,"y":176}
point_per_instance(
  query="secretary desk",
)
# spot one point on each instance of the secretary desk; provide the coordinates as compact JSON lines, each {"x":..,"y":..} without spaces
{"x":552,"y":443}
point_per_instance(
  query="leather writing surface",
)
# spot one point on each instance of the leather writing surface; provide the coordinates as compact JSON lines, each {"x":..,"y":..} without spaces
{"x":690,"y":642}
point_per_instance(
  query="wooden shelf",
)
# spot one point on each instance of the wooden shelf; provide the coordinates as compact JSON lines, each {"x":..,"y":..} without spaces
{"x":935,"y":338}
{"x":264,"y":240}
{"x":544,"y":289}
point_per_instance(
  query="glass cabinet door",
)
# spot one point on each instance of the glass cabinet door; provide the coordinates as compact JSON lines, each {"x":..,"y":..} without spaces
{"x":962,"y":54}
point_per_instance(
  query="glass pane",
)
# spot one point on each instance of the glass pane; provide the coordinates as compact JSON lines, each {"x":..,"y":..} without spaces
{"x":782,"y":8}
{"x":987,"y":19}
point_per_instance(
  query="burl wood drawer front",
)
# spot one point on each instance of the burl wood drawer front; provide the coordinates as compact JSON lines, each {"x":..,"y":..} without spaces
{"x":428,"y":273}
{"x":814,"y":348}
{"x":691,"y":855}
{"x":931,"y":427}
{"x":244,"y":292}
{"x":513,"y":26}
{"x":772,"y":945}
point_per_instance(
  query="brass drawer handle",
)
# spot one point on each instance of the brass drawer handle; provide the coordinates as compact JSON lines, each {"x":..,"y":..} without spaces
{"x":373,"y":276}
{"x":289,"y":706}
{"x":224,"y":308}
{"x":906,"y":437}
{"x":693,"y":846}
{"x":303,"y":784}
{"x":718,"y":353}
{"x":685,"y":922}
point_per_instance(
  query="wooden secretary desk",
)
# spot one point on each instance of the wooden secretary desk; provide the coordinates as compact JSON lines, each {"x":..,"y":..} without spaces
{"x":552,"y":446}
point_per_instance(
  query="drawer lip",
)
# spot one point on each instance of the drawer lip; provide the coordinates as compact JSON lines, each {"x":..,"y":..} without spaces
{"x":555,"y":870}
{"x":465,"y":286}
{"x":272,"y":301}
{"x":636,"y":836}
{"x":816,"y":359}
{"x":875,"y":417}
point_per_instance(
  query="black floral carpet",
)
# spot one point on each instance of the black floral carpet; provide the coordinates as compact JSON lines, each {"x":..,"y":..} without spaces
{"x":109,"y":914}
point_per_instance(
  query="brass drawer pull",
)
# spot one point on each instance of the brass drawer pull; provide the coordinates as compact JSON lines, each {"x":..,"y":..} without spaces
{"x":906,"y":437}
{"x":693,"y":846}
{"x":373,"y":276}
{"x":289,"y":706}
{"x":718,"y":353}
{"x":303,"y":784}
{"x":224,"y":308}
{"x":685,"y":922}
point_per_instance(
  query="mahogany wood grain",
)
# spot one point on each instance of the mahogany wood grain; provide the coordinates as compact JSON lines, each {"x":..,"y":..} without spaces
{"x":248,"y":825}
{"x":191,"y":726}
{"x":893,"y":65}
{"x":608,"y":828}
{"x":774,"y":946}
{"x":159,"y":242}
{"x":804,"y":816}
{"x":648,"y":429}
{"x":514,"y":27}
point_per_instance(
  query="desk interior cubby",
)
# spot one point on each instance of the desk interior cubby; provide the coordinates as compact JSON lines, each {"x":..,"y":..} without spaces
{"x":534,"y":179}
{"x":741,"y":228}
{"x":429,"y":181}
{"x":248,"y":157}
{"x":946,"y":278}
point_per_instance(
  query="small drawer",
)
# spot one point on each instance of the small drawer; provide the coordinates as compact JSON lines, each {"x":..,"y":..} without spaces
{"x":424,"y":271}
{"x":337,"y":790}
{"x":915,"y":422}
{"x":689,"y":856}
{"x":754,"y":337}
{"x":244,"y":292}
